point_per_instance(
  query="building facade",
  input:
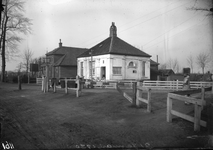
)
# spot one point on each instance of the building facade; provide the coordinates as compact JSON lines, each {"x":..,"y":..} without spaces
{"x":114,"y":59}
{"x":62,"y":62}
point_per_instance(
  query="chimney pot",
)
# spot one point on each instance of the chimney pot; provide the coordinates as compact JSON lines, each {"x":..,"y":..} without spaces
{"x":60,"y":44}
{"x":113,"y":30}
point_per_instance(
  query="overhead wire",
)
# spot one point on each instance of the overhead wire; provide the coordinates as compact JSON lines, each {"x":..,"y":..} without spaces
{"x":175,"y":34}
{"x":153,"y":17}
{"x":137,"y":19}
{"x":170,"y":29}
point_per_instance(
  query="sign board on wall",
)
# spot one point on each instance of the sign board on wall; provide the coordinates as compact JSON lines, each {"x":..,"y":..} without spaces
{"x":34,"y":67}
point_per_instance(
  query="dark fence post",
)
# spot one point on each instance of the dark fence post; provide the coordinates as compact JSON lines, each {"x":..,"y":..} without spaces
{"x":19,"y":82}
{"x":210,"y":123}
{"x":134,"y":86}
{"x":210,"y":118}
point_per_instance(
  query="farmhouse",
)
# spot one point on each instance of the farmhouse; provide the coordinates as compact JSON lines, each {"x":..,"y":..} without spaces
{"x":62,"y":61}
{"x":114,"y":59}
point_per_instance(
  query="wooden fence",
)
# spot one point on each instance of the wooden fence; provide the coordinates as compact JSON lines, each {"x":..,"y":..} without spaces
{"x":124,"y":94}
{"x":77,"y":81}
{"x":174,"y":85}
{"x":136,"y":92}
{"x":198,"y":106}
{"x":149,"y":86}
{"x":39,"y":81}
{"x":140,"y":99}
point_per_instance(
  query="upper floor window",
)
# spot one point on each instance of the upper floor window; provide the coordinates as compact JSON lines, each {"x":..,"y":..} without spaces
{"x":132,"y":65}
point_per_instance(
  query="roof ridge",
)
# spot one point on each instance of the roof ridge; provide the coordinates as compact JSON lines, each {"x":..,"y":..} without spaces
{"x":57,"y":63}
{"x":110,"y":47}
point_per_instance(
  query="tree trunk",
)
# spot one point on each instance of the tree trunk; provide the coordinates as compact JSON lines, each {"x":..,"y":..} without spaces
{"x":3,"y":51}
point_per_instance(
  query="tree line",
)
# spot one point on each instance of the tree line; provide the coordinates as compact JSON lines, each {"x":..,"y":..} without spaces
{"x":202,"y":61}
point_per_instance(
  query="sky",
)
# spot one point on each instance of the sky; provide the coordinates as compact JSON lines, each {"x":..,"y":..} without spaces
{"x":166,"y":28}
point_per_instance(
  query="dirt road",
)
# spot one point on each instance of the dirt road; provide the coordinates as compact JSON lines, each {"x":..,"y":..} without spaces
{"x":98,"y":118}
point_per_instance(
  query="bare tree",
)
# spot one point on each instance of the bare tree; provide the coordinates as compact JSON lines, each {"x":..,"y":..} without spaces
{"x":163,"y":66}
{"x":13,"y":23}
{"x":173,"y":64}
{"x":190,"y":61}
{"x":27,"y":58}
{"x":196,"y":8}
{"x":178,"y":68}
{"x":203,"y":59}
{"x":19,"y":67}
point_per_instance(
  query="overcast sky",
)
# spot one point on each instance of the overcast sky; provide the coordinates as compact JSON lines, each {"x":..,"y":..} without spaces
{"x":159,"y":27}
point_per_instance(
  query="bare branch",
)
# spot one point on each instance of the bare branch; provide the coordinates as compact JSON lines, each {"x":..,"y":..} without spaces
{"x":196,"y":9}
{"x":190,"y":61}
{"x":27,"y":57}
{"x":203,"y":59}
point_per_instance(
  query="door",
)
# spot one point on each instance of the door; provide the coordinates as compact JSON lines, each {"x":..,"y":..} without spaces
{"x":103,"y":73}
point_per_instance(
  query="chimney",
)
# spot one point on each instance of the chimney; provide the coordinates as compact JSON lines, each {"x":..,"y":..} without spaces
{"x":113,"y":30}
{"x":60,"y":44}
{"x":157,"y":58}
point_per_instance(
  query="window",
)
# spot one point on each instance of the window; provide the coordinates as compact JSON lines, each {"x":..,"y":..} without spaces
{"x":82,"y":69}
{"x":132,"y":65}
{"x":143,"y":68}
{"x":92,"y":68}
{"x":116,"y":70}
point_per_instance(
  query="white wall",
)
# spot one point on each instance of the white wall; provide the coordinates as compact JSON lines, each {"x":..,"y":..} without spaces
{"x":109,"y":61}
{"x":100,"y":61}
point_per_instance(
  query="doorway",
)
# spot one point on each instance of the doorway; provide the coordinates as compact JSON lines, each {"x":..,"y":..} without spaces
{"x":103,"y":73}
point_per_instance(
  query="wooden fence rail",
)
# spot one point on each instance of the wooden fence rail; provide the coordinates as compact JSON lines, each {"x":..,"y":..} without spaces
{"x":137,"y":94}
{"x":140,"y":99}
{"x":175,"y":85}
{"x":124,"y":94}
{"x":198,"y":106}
{"x":39,"y":81}
{"x":45,"y":85}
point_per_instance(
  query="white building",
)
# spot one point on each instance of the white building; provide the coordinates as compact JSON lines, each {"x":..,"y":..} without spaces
{"x":114,"y":59}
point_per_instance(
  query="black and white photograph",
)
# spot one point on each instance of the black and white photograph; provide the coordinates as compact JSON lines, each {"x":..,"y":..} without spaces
{"x":106,"y":74}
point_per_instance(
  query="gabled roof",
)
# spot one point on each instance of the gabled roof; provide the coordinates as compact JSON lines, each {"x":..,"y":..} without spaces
{"x":153,"y":62}
{"x":68,"y":55}
{"x":114,"y":45}
{"x":60,"y":61}
{"x":166,"y":72}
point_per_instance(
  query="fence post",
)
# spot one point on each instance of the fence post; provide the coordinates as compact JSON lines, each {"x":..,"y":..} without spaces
{"x":42,"y":83}
{"x":19,"y":82}
{"x":212,"y":87}
{"x":210,"y":123}
{"x":47,"y":84}
{"x":203,"y":96}
{"x":54,"y":86}
{"x":210,"y":118}
{"x":78,"y":86}
{"x":177,"y":85}
{"x":134,"y":86}
{"x":66,"y":87}
{"x":149,"y":107}
{"x":138,"y":93}
{"x":169,"y":108}
{"x":197,"y":115}
{"x":116,"y":85}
